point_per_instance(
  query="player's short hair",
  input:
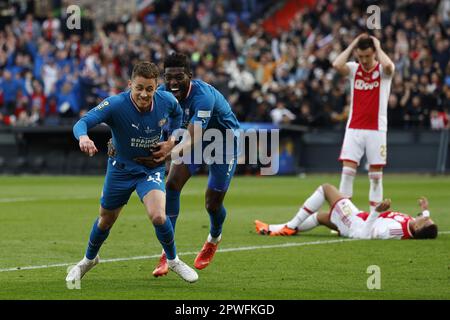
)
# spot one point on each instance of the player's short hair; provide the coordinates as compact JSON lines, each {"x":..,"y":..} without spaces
{"x":178,"y":60}
{"x":427,"y":232}
{"x":365,"y":43}
{"x":145,"y":69}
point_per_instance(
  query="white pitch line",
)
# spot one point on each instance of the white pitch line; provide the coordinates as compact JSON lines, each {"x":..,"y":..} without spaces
{"x":284,"y":245}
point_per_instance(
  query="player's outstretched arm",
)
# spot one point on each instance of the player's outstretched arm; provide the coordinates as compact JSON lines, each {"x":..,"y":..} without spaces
{"x":386,"y":62}
{"x":340,"y":62}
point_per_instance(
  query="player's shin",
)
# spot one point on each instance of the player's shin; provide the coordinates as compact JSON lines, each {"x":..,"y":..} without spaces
{"x":310,"y":223}
{"x":96,"y":239}
{"x":311,"y":205}
{"x":165,"y":235}
{"x":376,"y":189}
{"x":347,"y":178}
{"x":216,"y":219}
{"x":172,"y":206}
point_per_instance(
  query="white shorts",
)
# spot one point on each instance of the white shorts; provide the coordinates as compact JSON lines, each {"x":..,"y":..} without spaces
{"x":372,"y":142}
{"x":343,"y":215}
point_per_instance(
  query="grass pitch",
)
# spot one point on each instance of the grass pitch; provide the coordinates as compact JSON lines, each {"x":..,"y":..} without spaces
{"x":45,"y":221}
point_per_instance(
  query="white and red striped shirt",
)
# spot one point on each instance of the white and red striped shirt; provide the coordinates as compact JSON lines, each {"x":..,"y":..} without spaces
{"x":369,"y":97}
{"x":389,"y":225}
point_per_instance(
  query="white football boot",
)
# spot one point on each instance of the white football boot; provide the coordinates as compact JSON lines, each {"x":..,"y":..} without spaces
{"x":183,"y":270}
{"x":80,"y":269}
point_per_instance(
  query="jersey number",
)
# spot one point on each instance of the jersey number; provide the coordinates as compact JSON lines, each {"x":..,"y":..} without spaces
{"x":156,"y":178}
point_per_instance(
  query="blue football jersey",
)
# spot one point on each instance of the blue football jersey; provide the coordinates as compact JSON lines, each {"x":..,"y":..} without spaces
{"x":133,"y":132}
{"x":207,"y":105}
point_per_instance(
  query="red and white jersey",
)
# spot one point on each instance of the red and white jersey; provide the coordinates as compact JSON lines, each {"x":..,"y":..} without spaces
{"x":389,"y":225}
{"x":369,"y":97}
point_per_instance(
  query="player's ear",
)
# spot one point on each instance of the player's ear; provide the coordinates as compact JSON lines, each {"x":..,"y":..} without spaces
{"x":129,"y":84}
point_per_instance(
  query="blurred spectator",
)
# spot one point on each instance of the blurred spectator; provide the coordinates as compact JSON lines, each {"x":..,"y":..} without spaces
{"x":290,"y":71}
{"x":439,"y":120}
{"x":281,"y":115}
{"x":9,"y":88}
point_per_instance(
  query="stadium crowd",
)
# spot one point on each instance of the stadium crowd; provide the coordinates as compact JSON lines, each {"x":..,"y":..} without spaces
{"x":51,"y":75}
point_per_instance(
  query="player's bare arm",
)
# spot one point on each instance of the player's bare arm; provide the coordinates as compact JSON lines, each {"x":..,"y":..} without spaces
{"x":87,"y":145}
{"x":388,"y":65}
{"x":340,"y":62}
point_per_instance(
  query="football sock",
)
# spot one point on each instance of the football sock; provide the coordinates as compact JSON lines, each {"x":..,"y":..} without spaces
{"x":311,"y":205}
{"x":347,"y":178}
{"x":96,"y":239}
{"x":376,"y":189}
{"x":172,"y":206}
{"x":164,"y":233}
{"x":310,"y":223}
{"x":214,"y":240}
{"x":216,"y":220}
{"x":276,"y":227}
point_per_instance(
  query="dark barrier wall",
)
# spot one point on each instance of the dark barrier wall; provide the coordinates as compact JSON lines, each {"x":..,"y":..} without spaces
{"x":408,"y":151}
{"x":54,"y":150}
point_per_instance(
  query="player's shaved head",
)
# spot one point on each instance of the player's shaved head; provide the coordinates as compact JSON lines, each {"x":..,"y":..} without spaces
{"x":178,"y":60}
{"x":145,"y":69}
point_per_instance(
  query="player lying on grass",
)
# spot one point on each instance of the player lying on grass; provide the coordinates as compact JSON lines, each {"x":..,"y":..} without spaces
{"x":136,"y":118}
{"x":351,"y":222}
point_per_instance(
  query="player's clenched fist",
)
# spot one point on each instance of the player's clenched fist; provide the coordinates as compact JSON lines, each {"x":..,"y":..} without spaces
{"x":87,"y":146}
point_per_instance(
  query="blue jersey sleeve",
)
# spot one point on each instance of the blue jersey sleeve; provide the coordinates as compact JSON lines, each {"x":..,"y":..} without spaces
{"x":99,"y":114}
{"x":203,"y":106}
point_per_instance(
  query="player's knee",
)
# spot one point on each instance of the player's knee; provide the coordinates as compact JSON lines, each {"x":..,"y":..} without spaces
{"x":326,"y":187}
{"x":106,"y":222}
{"x":174,"y":184}
{"x":158,"y":218}
{"x":212,"y":205}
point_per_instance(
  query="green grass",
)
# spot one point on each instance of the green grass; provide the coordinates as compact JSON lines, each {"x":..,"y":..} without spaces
{"x":46,"y":220}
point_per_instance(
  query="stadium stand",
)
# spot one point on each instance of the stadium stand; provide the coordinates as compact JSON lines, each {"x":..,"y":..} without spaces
{"x":262,"y":55}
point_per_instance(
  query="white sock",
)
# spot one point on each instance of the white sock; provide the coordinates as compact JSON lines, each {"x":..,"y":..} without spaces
{"x":376,"y":189}
{"x":214,"y":240}
{"x":176,"y":259}
{"x":309,"y":223}
{"x":347,"y":178}
{"x":311,"y":205}
{"x":276,"y":227}
{"x":86,"y":260}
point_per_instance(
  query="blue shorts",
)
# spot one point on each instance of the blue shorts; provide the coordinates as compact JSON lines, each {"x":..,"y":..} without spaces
{"x":120,"y":184}
{"x":219,"y":176}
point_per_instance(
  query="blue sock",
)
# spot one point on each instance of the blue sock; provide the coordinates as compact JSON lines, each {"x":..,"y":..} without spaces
{"x":96,"y":239}
{"x":216,"y":221}
{"x":172,"y":206}
{"x":164,"y":233}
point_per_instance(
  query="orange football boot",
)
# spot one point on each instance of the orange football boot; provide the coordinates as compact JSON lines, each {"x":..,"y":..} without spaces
{"x":261,"y":227}
{"x":162,"y":268}
{"x":206,"y":255}
{"x":284,"y":232}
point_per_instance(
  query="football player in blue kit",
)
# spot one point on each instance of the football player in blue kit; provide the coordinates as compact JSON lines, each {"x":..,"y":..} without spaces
{"x":136,"y":118}
{"x":203,"y":108}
